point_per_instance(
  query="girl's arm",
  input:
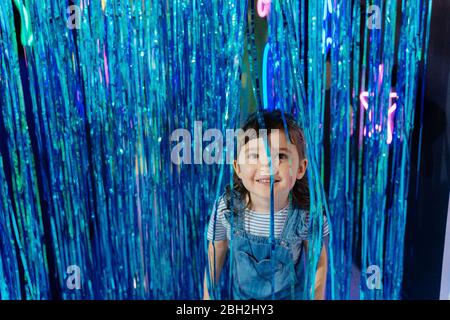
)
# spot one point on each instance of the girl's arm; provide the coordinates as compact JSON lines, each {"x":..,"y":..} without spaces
{"x":321,"y":273}
{"x":221,"y":250}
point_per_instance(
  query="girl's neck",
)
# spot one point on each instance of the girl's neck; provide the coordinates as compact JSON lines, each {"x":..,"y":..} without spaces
{"x":263,"y":206}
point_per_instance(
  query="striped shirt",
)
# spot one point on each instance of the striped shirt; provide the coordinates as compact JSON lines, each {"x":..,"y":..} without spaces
{"x":255,"y":223}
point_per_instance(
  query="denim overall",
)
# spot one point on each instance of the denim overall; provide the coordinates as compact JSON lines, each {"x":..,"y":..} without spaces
{"x":254,"y":269}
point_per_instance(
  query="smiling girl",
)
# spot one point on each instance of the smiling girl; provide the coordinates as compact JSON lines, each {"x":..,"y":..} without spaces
{"x":242,"y":214}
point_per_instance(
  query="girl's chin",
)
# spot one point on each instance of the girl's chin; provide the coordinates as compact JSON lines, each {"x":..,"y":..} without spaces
{"x":263,"y":190}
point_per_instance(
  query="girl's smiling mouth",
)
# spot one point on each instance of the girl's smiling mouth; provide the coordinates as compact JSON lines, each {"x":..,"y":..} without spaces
{"x":266,"y":180}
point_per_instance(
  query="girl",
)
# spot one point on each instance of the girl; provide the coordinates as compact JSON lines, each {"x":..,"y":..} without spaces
{"x":245,"y":210}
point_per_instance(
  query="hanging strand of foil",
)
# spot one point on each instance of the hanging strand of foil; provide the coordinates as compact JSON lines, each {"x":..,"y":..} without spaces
{"x":424,"y":73}
{"x":289,"y":88}
{"x":222,"y":289}
{"x":21,"y":211}
{"x":255,"y":83}
{"x":374,"y":164}
{"x":415,"y":21}
{"x":340,"y":196}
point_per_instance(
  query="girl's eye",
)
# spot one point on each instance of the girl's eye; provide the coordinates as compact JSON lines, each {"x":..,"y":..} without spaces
{"x":282,"y":156}
{"x":253,"y":156}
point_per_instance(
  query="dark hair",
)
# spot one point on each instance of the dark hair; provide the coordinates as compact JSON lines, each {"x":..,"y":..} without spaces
{"x":272,"y":120}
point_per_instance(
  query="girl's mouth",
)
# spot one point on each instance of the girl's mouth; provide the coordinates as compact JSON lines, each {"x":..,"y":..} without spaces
{"x":267,"y":181}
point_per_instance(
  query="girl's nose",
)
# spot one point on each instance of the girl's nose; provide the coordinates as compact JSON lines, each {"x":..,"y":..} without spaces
{"x":265,"y":164}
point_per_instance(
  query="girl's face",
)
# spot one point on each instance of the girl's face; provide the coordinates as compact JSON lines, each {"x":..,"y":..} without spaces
{"x":252,"y":167}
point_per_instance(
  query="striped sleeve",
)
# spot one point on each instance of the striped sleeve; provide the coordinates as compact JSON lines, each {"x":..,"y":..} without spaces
{"x":304,"y":233}
{"x":216,"y":227}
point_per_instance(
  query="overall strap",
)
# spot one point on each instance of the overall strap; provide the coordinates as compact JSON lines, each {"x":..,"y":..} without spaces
{"x":294,"y":217}
{"x":235,"y":220}
{"x":235,"y":213}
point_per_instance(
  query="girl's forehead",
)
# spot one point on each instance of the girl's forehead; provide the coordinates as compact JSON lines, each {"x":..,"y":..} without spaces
{"x":276,"y":139}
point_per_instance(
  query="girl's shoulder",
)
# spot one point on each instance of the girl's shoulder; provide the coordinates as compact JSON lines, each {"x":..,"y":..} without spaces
{"x":307,"y":216}
{"x":302,"y":216}
{"x":304,"y":225}
{"x":221,"y":204}
{"x":232,"y":200}
{"x":303,"y":213}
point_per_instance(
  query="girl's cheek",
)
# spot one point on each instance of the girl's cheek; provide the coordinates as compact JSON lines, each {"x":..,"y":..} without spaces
{"x":293,"y":177}
{"x":247,"y":172}
{"x":291,"y":171}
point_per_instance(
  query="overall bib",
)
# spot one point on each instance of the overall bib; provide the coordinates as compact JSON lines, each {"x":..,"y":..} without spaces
{"x":255,"y":270}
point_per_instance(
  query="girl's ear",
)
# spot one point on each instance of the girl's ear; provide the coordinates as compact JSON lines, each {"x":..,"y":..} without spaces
{"x":236,"y":168}
{"x":302,"y":169}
